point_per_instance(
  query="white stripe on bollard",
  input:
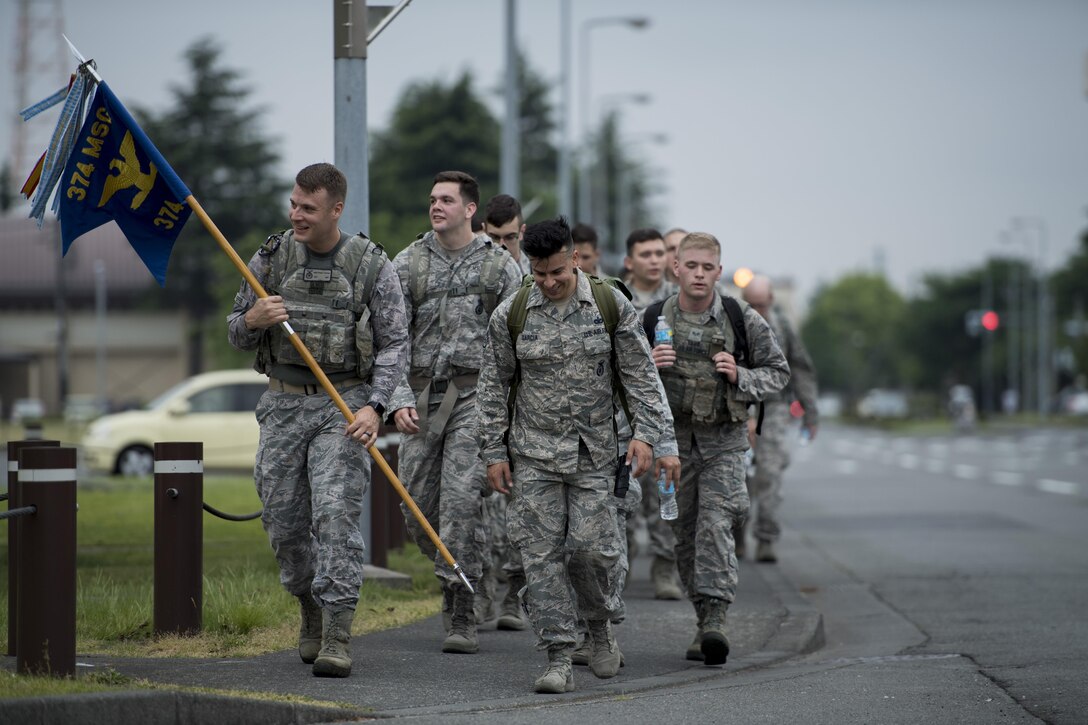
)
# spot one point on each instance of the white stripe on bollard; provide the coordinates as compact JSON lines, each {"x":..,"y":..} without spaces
{"x":46,"y":475}
{"x":179,"y":467}
{"x":13,"y":465}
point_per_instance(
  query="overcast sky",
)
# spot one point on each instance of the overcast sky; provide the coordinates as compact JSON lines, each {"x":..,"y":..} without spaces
{"x":813,"y":137}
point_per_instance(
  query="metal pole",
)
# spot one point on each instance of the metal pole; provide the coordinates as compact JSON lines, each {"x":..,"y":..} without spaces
{"x":14,"y":502}
{"x":179,"y":538}
{"x":1042,"y":305}
{"x":100,"y":324}
{"x":46,"y":639}
{"x":350,"y":138}
{"x":987,"y":346}
{"x":510,"y":172}
{"x":1012,"y":296}
{"x":585,"y":148}
{"x":566,"y":200}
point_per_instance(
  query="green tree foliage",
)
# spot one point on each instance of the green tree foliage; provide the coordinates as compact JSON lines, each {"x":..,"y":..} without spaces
{"x":435,"y":127}
{"x":214,"y":142}
{"x":854,"y":332}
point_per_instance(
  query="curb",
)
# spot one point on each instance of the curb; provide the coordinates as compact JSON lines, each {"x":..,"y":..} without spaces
{"x":167,"y":708}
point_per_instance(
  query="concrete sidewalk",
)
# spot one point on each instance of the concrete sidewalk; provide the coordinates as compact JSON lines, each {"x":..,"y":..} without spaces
{"x":403,"y":671}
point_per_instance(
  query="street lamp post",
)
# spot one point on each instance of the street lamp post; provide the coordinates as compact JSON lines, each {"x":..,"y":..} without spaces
{"x":1042,"y":310}
{"x":585,"y":200}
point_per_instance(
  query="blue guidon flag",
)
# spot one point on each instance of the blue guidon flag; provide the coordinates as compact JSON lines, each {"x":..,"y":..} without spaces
{"x":115,"y":172}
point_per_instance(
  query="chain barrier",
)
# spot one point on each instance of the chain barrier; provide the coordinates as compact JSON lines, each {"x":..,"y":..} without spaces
{"x":14,"y":513}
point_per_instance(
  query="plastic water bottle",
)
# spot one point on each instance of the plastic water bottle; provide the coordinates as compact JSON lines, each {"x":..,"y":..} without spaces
{"x":662,"y":332}
{"x":668,"y":498}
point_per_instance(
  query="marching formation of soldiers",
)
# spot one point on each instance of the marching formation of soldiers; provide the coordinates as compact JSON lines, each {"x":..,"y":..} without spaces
{"x":538,"y":418}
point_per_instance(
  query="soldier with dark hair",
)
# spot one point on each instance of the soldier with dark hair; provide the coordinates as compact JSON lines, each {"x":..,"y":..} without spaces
{"x":505,"y":225}
{"x":585,"y":243}
{"x":344,"y":301}
{"x":546,"y":391}
{"x":452,"y":280}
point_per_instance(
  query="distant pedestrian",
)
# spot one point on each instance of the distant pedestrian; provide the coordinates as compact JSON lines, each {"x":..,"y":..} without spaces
{"x":672,"y":245}
{"x":645,"y":264}
{"x":549,"y":442}
{"x":504,"y":223}
{"x":772,"y":454}
{"x":344,"y":301}
{"x":585,"y":243}
{"x":723,"y":358}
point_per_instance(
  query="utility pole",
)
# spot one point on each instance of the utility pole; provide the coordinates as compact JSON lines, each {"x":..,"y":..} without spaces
{"x":510,"y":171}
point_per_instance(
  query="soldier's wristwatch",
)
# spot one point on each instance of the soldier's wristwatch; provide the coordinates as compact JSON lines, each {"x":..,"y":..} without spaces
{"x":378,"y":408}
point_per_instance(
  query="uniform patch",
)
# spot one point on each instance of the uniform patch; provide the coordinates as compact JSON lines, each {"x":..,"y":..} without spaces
{"x":317,"y":275}
{"x":600,"y":368}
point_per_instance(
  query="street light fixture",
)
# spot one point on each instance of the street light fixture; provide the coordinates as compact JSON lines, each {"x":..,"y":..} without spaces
{"x":585,"y":202}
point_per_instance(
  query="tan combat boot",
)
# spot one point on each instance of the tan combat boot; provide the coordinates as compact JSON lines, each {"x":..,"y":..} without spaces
{"x":605,"y":658}
{"x":714,"y":644}
{"x":510,"y":615}
{"x":662,"y":572}
{"x":462,"y":633}
{"x":765,"y":552}
{"x":695,"y":649}
{"x":484,"y":606}
{"x":334,"y":659}
{"x":559,"y":677}
{"x":309,"y":632}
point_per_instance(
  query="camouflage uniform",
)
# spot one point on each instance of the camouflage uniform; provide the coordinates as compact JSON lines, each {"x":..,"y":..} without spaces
{"x":662,"y":540}
{"x":711,"y":496}
{"x":440,"y":466}
{"x":561,"y":444}
{"x":772,"y":452}
{"x":311,"y":477}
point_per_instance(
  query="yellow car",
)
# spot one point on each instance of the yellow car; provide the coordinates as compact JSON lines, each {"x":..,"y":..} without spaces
{"x":215,"y":408}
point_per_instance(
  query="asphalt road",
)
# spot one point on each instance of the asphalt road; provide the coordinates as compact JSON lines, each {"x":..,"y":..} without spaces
{"x":951,"y":576}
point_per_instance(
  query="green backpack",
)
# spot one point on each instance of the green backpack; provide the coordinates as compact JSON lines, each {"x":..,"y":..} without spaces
{"x":610,"y":315}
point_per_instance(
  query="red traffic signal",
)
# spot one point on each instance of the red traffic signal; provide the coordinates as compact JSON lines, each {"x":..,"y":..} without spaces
{"x":990,"y":320}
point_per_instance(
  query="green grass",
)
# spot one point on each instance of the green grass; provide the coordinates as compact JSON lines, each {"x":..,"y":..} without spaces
{"x":246,"y":612}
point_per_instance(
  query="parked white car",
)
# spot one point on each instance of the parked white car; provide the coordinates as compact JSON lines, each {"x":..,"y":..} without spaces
{"x":215,"y":408}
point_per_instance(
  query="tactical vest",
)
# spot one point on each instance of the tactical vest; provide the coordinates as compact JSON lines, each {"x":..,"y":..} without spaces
{"x":326,"y":300}
{"x":693,"y":386}
{"x":487,"y":286}
{"x":610,"y":316}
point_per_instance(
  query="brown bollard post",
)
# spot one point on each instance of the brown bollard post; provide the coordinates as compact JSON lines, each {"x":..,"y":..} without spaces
{"x":13,"y":528}
{"x":46,"y":606}
{"x":179,"y":538}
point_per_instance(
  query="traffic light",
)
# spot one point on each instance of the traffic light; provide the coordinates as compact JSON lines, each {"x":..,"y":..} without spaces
{"x":975,"y":321}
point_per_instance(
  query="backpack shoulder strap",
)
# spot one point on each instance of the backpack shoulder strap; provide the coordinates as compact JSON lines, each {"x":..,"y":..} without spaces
{"x":606,"y":304}
{"x":515,"y":323}
{"x":649,"y":319}
{"x":740,"y":333}
{"x":610,"y":315}
{"x":374,"y":258}
{"x":419,"y":267}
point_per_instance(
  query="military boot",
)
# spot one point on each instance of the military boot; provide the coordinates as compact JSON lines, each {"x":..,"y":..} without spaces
{"x":662,"y":572}
{"x":334,"y":659}
{"x":447,"y":608}
{"x":695,"y":649}
{"x":559,"y":677}
{"x":765,"y":552}
{"x":309,"y":632}
{"x":605,"y":658}
{"x":714,"y":644}
{"x":739,"y":547}
{"x":484,"y":606}
{"x":510,"y":615}
{"x":462,"y":633}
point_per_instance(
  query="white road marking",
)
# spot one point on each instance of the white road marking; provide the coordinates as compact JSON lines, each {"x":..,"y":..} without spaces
{"x":1050,"y":485}
{"x":935,"y":465}
{"x":1007,"y":478}
{"x":908,"y":461}
{"x":963,"y":470}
